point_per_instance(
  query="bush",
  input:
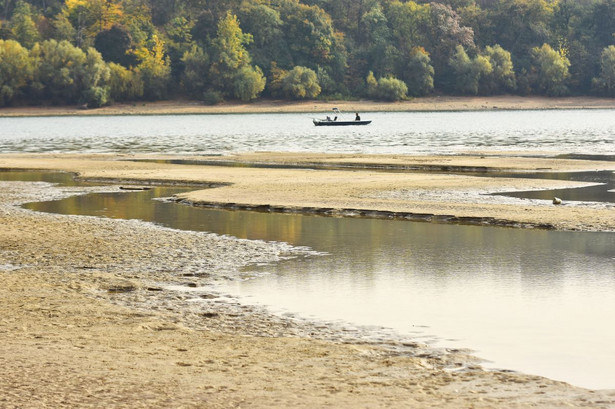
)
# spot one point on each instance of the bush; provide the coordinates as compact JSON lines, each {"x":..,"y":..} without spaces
{"x":124,"y":84}
{"x":96,"y":97}
{"x":386,"y":88}
{"x":249,"y":83}
{"x":392,"y":89}
{"x":300,"y":83}
{"x":211,"y":97}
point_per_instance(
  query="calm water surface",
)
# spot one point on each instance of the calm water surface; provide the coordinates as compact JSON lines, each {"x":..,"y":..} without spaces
{"x":570,"y":131}
{"x":540,"y":302}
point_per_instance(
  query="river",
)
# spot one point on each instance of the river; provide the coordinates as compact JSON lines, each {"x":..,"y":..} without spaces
{"x":557,"y":131}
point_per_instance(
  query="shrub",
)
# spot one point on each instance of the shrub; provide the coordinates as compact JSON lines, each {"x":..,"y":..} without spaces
{"x":392,"y":89}
{"x":249,"y":83}
{"x":300,"y":83}
{"x":211,"y":97}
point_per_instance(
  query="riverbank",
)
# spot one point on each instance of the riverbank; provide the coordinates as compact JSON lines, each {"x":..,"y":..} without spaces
{"x":444,"y":103}
{"x":90,"y":317}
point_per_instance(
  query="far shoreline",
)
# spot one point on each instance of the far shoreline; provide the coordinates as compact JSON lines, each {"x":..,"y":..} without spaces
{"x":424,"y":104}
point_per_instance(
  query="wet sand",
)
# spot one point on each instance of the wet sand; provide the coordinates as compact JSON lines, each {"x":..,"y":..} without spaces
{"x":90,"y":318}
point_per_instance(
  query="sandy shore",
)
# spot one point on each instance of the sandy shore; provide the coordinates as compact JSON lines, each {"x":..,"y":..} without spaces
{"x":504,"y":102}
{"x":90,"y":317}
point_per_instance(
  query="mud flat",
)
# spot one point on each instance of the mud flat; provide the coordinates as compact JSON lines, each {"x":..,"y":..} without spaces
{"x":121,"y":313}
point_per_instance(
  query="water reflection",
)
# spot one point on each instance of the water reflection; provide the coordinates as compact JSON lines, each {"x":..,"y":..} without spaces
{"x":537,"y":301}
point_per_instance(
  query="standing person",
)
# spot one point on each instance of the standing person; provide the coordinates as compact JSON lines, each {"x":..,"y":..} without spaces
{"x":357,"y":117}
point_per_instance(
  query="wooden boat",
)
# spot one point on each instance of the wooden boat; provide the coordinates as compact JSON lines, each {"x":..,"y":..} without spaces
{"x":331,"y":122}
{"x":334,"y":122}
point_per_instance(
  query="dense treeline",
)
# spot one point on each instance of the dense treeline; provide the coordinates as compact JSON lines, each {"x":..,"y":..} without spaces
{"x":96,"y":51}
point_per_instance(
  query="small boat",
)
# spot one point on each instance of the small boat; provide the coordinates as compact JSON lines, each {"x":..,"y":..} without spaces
{"x":331,"y":122}
{"x":335,"y":122}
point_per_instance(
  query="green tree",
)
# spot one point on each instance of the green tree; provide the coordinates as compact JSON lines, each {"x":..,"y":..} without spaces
{"x":15,"y":70}
{"x":299,"y":83}
{"x":63,"y":29}
{"x":93,"y":80}
{"x":124,"y":84}
{"x":195,"y":78}
{"x":372,"y":85}
{"x":115,"y":45}
{"x":418,"y":73}
{"x":89,"y":17}
{"x":519,"y":25}
{"x":262,"y":21}
{"x":408,"y":22}
{"x":443,"y":35}
{"x":376,"y":52}
{"x":178,"y":42}
{"x":249,"y":82}
{"x":55,"y":72}
{"x":605,"y":82}
{"x":22,"y":25}
{"x":392,"y":89}
{"x":346,"y":14}
{"x":468,"y":71}
{"x":265,"y":25}
{"x":229,"y":53}
{"x":502,"y":76}
{"x":65,"y":74}
{"x":386,"y":88}
{"x":154,"y":69}
{"x":549,"y":71}
{"x":311,"y":38}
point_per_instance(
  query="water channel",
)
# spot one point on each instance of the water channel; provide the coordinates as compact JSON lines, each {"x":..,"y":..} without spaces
{"x":540,"y":302}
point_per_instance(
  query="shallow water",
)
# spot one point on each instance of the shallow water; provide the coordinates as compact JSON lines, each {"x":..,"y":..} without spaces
{"x":540,"y":302}
{"x":557,"y":131}
{"x":601,"y":188}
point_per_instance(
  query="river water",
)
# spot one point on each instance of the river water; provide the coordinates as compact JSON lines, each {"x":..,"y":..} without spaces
{"x":557,"y":131}
{"x":539,"y":302}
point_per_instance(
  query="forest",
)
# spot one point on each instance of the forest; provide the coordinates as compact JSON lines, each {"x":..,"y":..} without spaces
{"x":95,"y":52}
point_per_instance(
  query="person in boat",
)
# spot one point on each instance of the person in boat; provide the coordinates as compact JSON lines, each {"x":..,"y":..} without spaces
{"x":328,"y":118}
{"x":357,"y":117}
{"x":335,"y":119}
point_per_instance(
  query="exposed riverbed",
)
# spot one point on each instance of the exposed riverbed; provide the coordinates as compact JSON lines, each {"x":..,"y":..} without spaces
{"x":508,"y":267}
{"x":67,"y":280}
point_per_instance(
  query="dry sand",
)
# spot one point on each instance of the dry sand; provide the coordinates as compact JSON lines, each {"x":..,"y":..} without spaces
{"x":417,"y":104}
{"x":87,"y":318}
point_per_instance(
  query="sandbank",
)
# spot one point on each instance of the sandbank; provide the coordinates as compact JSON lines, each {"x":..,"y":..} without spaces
{"x":88,"y":318}
{"x":440,"y":187}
